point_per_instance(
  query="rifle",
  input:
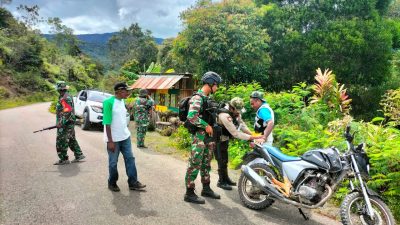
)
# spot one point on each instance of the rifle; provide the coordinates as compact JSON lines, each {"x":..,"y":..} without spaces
{"x":213,"y":108}
{"x":47,"y":128}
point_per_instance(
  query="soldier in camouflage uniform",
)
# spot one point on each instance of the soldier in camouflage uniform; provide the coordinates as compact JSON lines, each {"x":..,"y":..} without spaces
{"x":143,"y":106}
{"x":202,"y":147}
{"x":66,"y":127}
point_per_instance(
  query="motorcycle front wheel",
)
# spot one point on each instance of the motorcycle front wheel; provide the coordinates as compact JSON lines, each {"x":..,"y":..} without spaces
{"x":251,"y":196}
{"x":353,"y":211}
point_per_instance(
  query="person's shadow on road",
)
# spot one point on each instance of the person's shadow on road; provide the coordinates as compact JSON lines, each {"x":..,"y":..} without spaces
{"x":277,"y":213}
{"x":221,"y":214}
{"x":130,"y":204}
{"x":69,"y":170}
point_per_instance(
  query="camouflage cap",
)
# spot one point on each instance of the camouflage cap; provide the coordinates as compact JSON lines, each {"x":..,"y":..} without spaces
{"x":143,"y":92}
{"x":258,"y":94}
{"x":237,"y":103}
{"x":61,"y":85}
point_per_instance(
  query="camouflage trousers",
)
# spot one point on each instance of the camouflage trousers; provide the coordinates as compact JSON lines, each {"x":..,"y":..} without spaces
{"x":140,"y":134}
{"x":66,"y":138}
{"x":199,"y":159}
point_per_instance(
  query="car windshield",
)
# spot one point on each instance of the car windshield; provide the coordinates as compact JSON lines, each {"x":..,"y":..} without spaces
{"x":98,"y":96}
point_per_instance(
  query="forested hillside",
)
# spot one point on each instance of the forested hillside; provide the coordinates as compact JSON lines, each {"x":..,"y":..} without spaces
{"x":30,"y":65}
{"x":95,"y":45}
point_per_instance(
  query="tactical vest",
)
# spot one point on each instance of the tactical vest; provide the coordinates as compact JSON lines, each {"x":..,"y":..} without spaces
{"x":260,"y":124}
{"x":225,"y":131}
{"x":204,"y":114}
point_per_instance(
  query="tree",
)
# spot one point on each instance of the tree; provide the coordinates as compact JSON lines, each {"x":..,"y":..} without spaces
{"x":64,"y":37}
{"x":30,"y":15}
{"x":130,"y":69}
{"x":165,"y":55}
{"x":132,"y":43}
{"x":349,"y":37}
{"x":226,"y":38}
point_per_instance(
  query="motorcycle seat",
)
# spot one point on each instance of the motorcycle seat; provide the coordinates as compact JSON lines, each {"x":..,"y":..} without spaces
{"x":279,"y":155}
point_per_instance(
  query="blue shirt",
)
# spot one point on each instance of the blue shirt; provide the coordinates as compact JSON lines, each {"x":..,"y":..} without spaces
{"x":265,"y":114}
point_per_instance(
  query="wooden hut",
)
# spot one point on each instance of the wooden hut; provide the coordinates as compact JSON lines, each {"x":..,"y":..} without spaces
{"x":166,"y":88}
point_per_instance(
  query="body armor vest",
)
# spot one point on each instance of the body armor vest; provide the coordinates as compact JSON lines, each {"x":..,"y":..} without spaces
{"x":260,"y":124}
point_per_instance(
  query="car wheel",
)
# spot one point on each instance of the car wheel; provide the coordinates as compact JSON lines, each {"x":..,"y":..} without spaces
{"x":85,"y":121}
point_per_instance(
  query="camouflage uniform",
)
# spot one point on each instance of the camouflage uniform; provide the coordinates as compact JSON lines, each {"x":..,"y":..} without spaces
{"x":66,"y":133}
{"x":142,"y":114}
{"x":202,"y":149}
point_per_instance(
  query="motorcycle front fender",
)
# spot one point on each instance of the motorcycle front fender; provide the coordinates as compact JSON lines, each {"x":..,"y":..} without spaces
{"x":258,"y":160}
{"x":370,"y":192}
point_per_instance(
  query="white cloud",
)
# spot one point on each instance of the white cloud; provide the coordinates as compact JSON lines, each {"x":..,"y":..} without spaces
{"x":161,"y":17}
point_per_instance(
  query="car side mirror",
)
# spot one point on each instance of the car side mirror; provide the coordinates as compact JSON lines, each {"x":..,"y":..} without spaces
{"x":82,"y":98}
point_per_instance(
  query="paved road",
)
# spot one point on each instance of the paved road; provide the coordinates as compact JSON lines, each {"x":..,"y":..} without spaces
{"x":33,"y":191}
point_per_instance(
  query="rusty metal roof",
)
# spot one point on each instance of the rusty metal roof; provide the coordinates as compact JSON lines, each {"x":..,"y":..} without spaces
{"x":156,"y":82}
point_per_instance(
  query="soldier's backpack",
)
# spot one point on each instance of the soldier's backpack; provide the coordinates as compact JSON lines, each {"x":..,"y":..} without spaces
{"x":184,"y":108}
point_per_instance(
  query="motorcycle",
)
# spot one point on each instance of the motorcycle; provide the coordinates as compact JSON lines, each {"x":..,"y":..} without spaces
{"x":310,"y":180}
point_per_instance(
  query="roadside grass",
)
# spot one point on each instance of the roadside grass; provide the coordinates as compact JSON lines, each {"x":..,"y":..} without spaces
{"x":7,"y":103}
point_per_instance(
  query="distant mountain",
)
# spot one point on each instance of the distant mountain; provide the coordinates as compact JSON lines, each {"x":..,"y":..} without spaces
{"x":98,"y":38}
{"x":95,"y":45}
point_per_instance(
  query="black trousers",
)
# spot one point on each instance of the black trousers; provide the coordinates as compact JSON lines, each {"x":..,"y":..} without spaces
{"x":221,"y":156}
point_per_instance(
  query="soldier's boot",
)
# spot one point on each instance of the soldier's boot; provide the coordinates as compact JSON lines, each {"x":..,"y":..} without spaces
{"x":79,"y":158}
{"x":61,"y":162}
{"x":190,"y":196}
{"x":227,"y":179}
{"x":208,"y":192}
{"x":222,"y":182}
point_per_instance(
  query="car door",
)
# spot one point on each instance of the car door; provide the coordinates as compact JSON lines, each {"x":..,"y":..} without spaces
{"x":80,"y":103}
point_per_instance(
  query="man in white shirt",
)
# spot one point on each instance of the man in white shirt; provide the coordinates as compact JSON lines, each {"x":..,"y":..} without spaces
{"x":117,"y":137}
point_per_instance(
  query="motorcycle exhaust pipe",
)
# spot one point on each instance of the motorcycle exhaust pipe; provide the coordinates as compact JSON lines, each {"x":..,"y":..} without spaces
{"x":261,"y":183}
{"x":273,"y":193}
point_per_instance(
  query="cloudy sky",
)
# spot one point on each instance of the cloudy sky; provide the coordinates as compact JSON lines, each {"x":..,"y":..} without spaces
{"x":161,"y":17}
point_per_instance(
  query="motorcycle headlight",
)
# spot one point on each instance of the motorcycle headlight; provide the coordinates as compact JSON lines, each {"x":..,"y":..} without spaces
{"x":97,"y":109}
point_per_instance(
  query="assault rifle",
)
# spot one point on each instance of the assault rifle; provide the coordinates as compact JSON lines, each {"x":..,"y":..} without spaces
{"x":47,"y":128}
{"x":213,"y":110}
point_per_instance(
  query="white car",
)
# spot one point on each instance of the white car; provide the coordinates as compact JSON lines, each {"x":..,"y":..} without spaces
{"x":89,"y":107}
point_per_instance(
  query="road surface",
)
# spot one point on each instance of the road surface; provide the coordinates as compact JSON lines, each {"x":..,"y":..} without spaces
{"x":34,"y":191}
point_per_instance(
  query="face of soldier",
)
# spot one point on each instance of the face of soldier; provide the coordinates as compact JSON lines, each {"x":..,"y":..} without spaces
{"x":62,"y":91}
{"x":214,"y":88}
{"x":255,"y":103}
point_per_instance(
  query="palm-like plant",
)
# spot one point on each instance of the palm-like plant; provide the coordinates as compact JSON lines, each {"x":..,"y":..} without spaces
{"x":329,"y":91}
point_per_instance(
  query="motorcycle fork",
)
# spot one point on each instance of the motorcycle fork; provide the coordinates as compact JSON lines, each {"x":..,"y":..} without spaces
{"x":363,"y":189}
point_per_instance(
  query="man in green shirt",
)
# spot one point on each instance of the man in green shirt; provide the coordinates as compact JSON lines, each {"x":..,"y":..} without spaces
{"x":118,"y":138}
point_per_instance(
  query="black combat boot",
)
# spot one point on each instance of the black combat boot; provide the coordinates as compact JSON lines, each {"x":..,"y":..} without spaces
{"x":208,"y":192}
{"x":227,"y":179}
{"x":190,"y":196}
{"x":224,"y":186}
{"x":222,"y":182}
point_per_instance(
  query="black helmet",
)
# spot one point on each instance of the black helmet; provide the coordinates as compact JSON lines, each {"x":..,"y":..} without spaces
{"x":211,"y":78}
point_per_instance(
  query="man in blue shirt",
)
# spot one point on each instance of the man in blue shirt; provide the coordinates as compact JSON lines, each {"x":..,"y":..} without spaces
{"x":264,"y":121}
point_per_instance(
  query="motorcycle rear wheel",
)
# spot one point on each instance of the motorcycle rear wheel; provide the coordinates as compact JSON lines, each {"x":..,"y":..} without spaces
{"x":353,"y":211}
{"x":251,"y":196}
